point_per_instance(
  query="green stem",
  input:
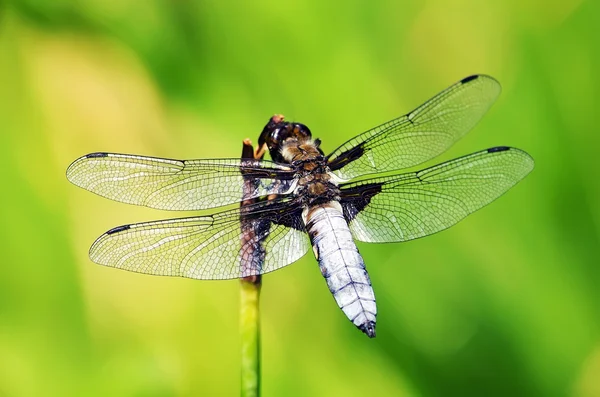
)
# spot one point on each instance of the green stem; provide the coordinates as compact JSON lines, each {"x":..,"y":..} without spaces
{"x":250,"y":333}
{"x":250,"y":286}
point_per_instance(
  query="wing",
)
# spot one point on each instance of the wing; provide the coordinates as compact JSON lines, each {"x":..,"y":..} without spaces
{"x":177,"y":184}
{"x":413,"y":205}
{"x":420,"y":135}
{"x":231,"y":244}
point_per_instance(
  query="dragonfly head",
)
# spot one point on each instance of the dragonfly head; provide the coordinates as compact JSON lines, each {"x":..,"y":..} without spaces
{"x":277,"y":131}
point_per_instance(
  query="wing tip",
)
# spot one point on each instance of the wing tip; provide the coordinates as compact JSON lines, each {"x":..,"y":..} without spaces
{"x":526,"y":160}
{"x":497,"y":149}
{"x":71,"y":169}
{"x":486,"y":78}
{"x":477,"y":76}
{"x":95,"y":252}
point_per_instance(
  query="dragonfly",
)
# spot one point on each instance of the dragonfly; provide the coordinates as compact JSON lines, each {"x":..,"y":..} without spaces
{"x":304,"y":198}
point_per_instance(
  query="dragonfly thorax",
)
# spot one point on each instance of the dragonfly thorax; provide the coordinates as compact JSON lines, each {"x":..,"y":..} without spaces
{"x":294,"y":150}
{"x":315,"y":184}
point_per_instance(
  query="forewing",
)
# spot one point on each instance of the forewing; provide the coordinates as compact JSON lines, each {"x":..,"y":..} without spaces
{"x":413,"y":205}
{"x":177,"y":184}
{"x":419,"y":135}
{"x":219,"y":246}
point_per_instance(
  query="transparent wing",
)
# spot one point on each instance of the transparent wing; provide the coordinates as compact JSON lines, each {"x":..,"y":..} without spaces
{"x":222,"y":246}
{"x":420,"y":135}
{"x":177,"y":184}
{"x":408,"y":206}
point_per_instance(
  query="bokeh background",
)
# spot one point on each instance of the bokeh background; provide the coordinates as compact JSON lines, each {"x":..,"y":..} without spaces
{"x":506,"y":303}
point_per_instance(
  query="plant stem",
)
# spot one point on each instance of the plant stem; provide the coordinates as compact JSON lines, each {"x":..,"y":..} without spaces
{"x":250,"y":287}
{"x":250,"y":333}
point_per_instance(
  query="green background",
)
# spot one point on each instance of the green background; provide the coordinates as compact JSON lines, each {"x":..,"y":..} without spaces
{"x":506,"y":303}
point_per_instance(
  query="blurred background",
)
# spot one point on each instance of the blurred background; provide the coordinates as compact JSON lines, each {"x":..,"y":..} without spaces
{"x":506,"y":303}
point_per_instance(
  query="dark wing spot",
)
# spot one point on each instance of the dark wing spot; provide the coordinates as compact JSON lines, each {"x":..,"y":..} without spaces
{"x":498,"y":149}
{"x":98,"y":154}
{"x":347,"y":157}
{"x":469,"y":78}
{"x":287,"y":213}
{"x":293,"y":220}
{"x":356,"y":198}
{"x":118,"y":229}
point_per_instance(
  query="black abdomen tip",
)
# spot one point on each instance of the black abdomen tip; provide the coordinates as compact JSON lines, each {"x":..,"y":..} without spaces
{"x":498,"y":149}
{"x":118,"y":229}
{"x":368,"y":328}
{"x":469,"y":78}
{"x":98,"y":154}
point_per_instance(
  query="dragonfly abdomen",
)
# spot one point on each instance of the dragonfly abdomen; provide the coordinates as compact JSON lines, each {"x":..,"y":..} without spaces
{"x":341,"y":264}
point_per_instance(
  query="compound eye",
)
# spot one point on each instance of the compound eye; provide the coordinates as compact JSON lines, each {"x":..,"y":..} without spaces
{"x":300,"y":130}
